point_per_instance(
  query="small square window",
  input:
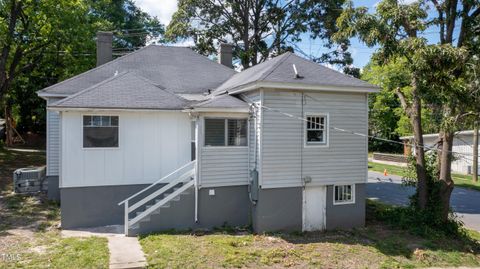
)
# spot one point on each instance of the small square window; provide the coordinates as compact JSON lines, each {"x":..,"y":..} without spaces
{"x":343,"y":194}
{"x":316,"y":130}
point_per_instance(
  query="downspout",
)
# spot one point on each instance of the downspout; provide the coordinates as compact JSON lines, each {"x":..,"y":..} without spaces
{"x":197,"y":164}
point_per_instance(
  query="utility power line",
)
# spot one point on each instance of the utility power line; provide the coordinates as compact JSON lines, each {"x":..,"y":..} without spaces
{"x":289,"y":115}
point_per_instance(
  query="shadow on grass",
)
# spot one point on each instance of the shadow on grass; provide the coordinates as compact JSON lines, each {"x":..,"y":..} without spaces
{"x":400,"y":246}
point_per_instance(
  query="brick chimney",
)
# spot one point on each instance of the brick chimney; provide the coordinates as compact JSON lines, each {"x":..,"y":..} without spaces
{"x":104,"y":47}
{"x":225,"y":55}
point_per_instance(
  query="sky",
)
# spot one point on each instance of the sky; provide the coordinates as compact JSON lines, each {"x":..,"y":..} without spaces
{"x":164,"y":9}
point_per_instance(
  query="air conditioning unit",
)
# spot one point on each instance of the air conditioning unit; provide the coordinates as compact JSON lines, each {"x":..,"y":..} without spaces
{"x":27,"y":180}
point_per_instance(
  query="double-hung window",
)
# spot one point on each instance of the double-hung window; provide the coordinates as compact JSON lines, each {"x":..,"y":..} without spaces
{"x":316,"y":130}
{"x":343,"y":194}
{"x":100,"y":131}
{"x":225,"y":132}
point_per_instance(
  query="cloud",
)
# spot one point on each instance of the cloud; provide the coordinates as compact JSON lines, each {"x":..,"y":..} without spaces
{"x":162,"y":9}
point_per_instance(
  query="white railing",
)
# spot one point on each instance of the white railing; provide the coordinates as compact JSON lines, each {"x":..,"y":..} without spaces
{"x":186,"y":172}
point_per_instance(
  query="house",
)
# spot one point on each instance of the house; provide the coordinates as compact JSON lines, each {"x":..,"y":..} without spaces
{"x":462,"y":146}
{"x":165,"y":138}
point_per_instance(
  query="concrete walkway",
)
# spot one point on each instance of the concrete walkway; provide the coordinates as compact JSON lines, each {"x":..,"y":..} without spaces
{"x":125,"y":252}
{"x":388,"y":189}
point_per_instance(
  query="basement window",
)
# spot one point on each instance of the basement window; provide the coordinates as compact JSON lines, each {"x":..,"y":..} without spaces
{"x":225,"y":132}
{"x":100,"y":131}
{"x":316,"y":130}
{"x":343,"y":194}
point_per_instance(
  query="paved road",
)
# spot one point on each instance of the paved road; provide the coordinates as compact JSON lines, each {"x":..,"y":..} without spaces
{"x":388,"y":189}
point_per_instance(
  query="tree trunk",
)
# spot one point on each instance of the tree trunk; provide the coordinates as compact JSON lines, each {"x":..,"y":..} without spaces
{"x":416,"y":121}
{"x":446,"y":173}
{"x":8,"y":125}
{"x":475,"y":152}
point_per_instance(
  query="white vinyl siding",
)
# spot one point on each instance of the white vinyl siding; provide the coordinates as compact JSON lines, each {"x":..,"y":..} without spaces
{"x":222,"y":166}
{"x":254,"y":131}
{"x":285,"y":159}
{"x":53,"y":140}
{"x":151,"y":145}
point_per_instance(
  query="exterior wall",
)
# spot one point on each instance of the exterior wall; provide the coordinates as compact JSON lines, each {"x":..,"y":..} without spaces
{"x":348,"y":215}
{"x":53,"y":140}
{"x":284,"y":156}
{"x":229,"y":206}
{"x":462,"y":144}
{"x":278,"y":210}
{"x":53,"y":191}
{"x":255,"y":126}
{"x":222,"y":166}
{"x":97,"y":206}
{"x":151,"y":145}
{"x":94,"y":206}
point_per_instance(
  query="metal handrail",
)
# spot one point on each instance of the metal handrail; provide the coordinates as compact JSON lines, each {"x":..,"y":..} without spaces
{"x":157,"y":182}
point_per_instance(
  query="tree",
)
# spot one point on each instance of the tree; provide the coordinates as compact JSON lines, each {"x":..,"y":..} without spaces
{"x":133,"y":26}
{"x":437,"y":70}
{"x":57,"y":41}
{"x":389,"y":27}
{"x":257,"y":29}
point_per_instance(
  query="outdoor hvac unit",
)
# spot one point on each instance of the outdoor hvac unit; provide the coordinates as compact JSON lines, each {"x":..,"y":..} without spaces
{"x":28,"y":179}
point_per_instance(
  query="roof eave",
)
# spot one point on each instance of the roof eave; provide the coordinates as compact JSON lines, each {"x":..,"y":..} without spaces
{"x":301,"y":86}
{"x":219,"y":109}
{"x":64,"y":108}
{"x":46,"y":95}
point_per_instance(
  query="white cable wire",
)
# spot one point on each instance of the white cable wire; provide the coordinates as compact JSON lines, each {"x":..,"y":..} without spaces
{"x":353,"y":132}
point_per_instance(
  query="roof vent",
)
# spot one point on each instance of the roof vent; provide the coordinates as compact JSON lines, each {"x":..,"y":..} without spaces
{"x":296,"y":71}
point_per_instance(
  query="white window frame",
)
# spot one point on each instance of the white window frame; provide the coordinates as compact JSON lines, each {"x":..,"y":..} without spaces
{"x":352,"y":201}
{"x":326,"y":131}
{"x":101,"y":148}
{"x":226,"y":132}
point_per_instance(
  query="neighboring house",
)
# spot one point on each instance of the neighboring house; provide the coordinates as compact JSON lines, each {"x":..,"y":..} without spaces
{"x":462,"y":146}
{"x":179,"y":141}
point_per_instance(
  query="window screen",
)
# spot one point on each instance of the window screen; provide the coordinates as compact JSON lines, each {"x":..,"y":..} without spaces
{"x":316,"y":130}
{"x":225,"y":132}
{"x":237,"y":132}
{"x":214,"y":132}
{"x":100,"y":131}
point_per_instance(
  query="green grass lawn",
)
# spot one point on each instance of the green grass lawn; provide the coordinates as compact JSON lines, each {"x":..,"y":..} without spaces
{"x":464,"y":181}
{"x":28,"y":234}
{"x":375,"y":246}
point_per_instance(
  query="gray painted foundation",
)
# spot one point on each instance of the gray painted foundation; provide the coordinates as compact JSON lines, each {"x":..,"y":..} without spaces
{"x":53,"y":191}
{"x":97,"y":206}
{"x":278,"y":210}
{"x":346,"y":216}
{"x":229,"y":206}
{"x":94,"y":206}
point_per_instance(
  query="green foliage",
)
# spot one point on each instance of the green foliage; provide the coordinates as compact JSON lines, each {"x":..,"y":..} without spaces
{"x":387,"y":119}
{"x":429,"y":220}
{"x":258,"y":29}
{"x":58,"y":42}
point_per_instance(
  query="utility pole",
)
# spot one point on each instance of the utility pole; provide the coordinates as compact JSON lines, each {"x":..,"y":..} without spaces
{"x":475,"y":152}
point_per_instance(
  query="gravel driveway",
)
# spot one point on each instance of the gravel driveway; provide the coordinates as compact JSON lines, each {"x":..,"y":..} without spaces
{"x":388,"y":189}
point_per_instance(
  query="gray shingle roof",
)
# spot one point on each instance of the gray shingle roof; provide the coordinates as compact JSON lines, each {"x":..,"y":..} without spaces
{"x":125,"y":90}
{"x":280,"y":69}
{"x":222,"y":101}
{"x":176,"y":68}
